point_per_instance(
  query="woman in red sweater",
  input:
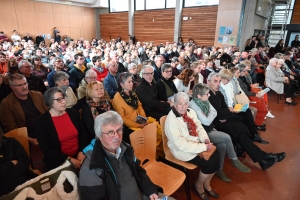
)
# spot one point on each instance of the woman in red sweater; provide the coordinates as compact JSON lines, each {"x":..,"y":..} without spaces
{"x":60,"y":132}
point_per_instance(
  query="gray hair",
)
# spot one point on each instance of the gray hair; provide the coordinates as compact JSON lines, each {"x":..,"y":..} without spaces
{"x":56,"y":58}
{"x":130,"y":66}
{"x":112,"y":53}
{"x":89,"y":72}
{"x":104,"y":119}
{"x":22,"y":62}
{"x":278,"y":55}
{"x":124,"y":76}
{"x":241,"y":67}
{"x":165,"y":66}
{"x":201,"y":89}
{"x":158,"y":56}
{"x":59,"y":75}
{"x":281,"y":61}
{"x":49,"y":96}
{"x":212,"y":75}
{"x":14,"y":77}
{"x":181,"y":95}
{"x":272,"y":60}
{"x":145,"y":67}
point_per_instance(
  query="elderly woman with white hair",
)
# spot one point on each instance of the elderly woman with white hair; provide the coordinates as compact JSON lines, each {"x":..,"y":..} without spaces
{"x":276,"y":80}
{"x":188,"y":140}
{"x":206,"y":114}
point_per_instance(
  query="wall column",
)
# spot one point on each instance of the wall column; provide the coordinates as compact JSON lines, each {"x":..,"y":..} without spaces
{"x":178,"y":15}
{"x":97,"y":23}
{"x":131,"y":17}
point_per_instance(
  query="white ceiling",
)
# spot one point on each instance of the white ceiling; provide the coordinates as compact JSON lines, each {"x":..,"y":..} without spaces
{"x":85,"y":3}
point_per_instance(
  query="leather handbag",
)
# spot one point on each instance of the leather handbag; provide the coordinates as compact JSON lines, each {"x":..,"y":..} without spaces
{"x":242,"y":99}
{"x":207,"y":154}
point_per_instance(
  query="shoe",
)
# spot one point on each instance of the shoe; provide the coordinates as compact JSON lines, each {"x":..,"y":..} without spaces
{"x":296,"y":93}
{"x":243,"y":168}
{"x":258,"y":139}
{"x":293,"y":103}
{"x":279,"y":156}
{"x":220,"y":173}
{"x":261,"y":128}
{"x":202,"y":196}
{"x":267,"y":163}
{"x":263,"y":125}
{"x":212,"y":193}
{"x":270,"y":115}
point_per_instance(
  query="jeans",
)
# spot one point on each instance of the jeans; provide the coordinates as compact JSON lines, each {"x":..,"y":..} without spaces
{"x":223,"y":143}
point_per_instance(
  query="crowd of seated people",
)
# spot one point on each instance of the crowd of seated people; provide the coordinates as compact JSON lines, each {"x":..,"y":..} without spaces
{"x":142,"y":81}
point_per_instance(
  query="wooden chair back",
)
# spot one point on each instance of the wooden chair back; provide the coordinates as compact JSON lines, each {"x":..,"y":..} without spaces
{"x":21,"y":135}
{"x":167,"y":151}
{"x":144,"y":142}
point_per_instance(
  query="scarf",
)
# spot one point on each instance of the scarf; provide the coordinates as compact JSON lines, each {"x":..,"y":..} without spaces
{"x":100,"y":69}
{"x":131,"y":99}
{"x":203,"y":105}
{"x":98,"y":108}
{"x":192,"y":128}
{"x":82,"y":68}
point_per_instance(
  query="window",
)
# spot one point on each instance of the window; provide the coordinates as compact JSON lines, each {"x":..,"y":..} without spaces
{"x":118,"y":5}
{"x":140,"y":5}
{"x":155,"y":4}
{"x":171,"y":3}
{"x":190,"y":3}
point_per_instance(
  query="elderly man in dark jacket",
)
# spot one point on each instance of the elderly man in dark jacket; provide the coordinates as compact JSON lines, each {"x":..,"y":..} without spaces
{"x":147,"y":93}
{"x":110,"y":170}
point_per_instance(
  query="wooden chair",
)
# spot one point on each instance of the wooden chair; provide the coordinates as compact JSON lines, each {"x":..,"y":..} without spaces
{"x":144,"y":144}
{"x":185,"y":166}
{"x":20,"y":134}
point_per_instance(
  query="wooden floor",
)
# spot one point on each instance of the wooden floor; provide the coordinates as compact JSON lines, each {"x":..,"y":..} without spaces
{"x":282,"y":181}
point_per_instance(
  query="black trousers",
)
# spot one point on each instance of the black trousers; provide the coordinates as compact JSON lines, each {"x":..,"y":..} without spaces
{"x":247,"y":118}
{"x":157,"y":114}
{"x":239,"y":133}
{"x":289,"y":90}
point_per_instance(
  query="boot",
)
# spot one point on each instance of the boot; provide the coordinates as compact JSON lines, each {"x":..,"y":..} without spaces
{"x":240,"y":166}
{"x":220,"y":173}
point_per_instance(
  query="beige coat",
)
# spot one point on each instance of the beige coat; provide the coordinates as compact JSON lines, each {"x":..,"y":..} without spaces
{"x":275,"y":79}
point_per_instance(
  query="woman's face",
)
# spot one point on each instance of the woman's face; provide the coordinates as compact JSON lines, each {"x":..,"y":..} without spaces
{"x":62,"y":82}
{"x":133,"y":70}
{"x":236,"y":74}
{"x":278,"y":65}
{"x":203,"y":67}
{"x":127,"y":85}
{"x":182,"y":106}
{"x":197,"y":70}
{"x":98,"y":91}
{"x":204,"y":97}
{"x":224,"y":81}
{"x":243,"y":73}
{"x":167,"y":73}
{"x":37,"y":61}
{"x":60,"y":102}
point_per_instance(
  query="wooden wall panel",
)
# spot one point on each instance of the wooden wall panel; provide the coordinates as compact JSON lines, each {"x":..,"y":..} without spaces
{"x":113,"y":25}
{"x":159,"y":31}
{"x":41,"y":17}
{"x":201,"y":27}
{"x":296,"y":13}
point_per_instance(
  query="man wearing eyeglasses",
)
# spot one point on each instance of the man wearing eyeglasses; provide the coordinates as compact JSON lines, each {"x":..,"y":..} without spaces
{"x":22,"y":107}
{"x":110,"y":169}
{"x":147,"y":93}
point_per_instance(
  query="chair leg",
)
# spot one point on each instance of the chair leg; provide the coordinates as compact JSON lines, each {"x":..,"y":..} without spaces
{"x":186,"y":184}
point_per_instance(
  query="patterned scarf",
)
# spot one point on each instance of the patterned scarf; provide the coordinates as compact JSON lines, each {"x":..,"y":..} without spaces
{"x":190,"y":124}
{"x":100,"y":69}
{"x":203,"y":105}
{"x":98,"y":108}
{"x":131,"y":99}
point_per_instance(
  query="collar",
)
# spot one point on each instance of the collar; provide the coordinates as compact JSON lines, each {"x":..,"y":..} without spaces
{"x":146,"y":82}
{"x":82,"y":68}
{"x":115,"y":155}
{"x":176,"y":113}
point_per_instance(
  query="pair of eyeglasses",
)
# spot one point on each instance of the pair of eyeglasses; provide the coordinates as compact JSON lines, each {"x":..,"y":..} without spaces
{"x":149,"y":74}
{"x":111,"y":134}
{"x":168,"y":71}
{"x":60,"y":99}
{"x":20,"y":85}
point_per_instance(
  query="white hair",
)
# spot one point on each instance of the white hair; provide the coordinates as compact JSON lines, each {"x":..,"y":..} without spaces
{"x":179,"y":96}
{"x":109,"y":117}
{"x":89,"y":72}
{"x":272,"y":60}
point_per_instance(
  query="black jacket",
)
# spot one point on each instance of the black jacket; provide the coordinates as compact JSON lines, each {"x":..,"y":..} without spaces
{"x":13,"y":175}
{"x":147,"y":94}
{"x":157,"y":73}
{"x":96,"y":167}
{"x":49,"y":142}
{"x":36,"y":83}
{"x":161,"y":88}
